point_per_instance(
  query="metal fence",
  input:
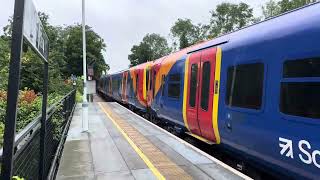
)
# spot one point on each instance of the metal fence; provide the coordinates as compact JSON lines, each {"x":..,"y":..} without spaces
{"x":26,"y":160}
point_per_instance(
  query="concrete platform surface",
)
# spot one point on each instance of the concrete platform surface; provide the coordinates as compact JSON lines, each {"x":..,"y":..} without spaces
{"x":122,"y":145}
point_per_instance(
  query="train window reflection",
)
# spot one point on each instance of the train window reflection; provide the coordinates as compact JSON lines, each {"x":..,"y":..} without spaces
{"x":245,"y":86}
{"x":300,"y":99}
{"x":206,"y":72}
{"x":193,"y":85}
{"x":302,"y":68}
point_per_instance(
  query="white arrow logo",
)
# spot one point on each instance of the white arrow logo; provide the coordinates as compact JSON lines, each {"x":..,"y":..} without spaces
{"x":286,"y":145}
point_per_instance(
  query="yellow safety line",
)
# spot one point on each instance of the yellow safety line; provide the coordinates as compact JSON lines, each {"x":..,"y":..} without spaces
{"x":216,"y":96}
{"x":185,"y":91}
{"x":135,"y":147}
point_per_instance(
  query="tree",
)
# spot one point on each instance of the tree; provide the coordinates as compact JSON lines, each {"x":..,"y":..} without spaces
{"x":270,"y":9}
{"x":152,"y":46}
{"x":185,"y":33}
{"x":73,"y":50}
{"x":65,"y":56}
{"x":4,"y":62}
{"x":273,"y":8}
{"x":228,"y":17}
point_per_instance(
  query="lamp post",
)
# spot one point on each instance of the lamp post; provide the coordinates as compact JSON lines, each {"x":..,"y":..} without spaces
{"x":85,"y":123}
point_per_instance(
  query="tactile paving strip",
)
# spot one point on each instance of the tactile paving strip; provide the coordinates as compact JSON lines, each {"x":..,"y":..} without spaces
{"x":167,"y":168}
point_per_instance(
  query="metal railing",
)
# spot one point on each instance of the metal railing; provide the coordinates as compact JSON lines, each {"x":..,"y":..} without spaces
{"x":26,"y":159}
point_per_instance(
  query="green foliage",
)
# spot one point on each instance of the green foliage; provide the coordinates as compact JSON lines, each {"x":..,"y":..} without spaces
{"x":228,"y":17}
{"x":4,"y":62}
{"x":187,"y":33}
{"x":63,"y":47}
{"x":274,"y":8}
{"x":153,"y":46}
{"x":29,"y":107}
{"x":73,"y":51}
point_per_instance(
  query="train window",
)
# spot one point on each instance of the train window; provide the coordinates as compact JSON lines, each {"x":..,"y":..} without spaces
{"x":206,"y":71}
{"x":137,"y":82}
{"x":245,"y":86}
{"x":174,"y":77}
{"x":174,"y":86}
{"x":174,"y":90}
{"x":162,"y":83}
{"x":154,"y":83}
{"x":147,"y":79}
{"x":193,"y":85}
{"x":302,"y":68}
{"x":300,"y":99}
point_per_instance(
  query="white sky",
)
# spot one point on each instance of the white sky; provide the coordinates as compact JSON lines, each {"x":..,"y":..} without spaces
{"x":123,"y":23}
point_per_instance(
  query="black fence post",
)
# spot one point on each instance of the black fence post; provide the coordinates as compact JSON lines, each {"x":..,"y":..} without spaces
{"x":13,"y":90}
{"x":42,"y":163}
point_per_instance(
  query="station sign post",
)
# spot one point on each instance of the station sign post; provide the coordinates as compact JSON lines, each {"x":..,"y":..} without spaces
{"x":26,"y":26}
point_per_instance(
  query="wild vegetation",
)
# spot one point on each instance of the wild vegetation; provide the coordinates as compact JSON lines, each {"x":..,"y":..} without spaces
{"x":225,"y":18}
{"x":65,"y":59}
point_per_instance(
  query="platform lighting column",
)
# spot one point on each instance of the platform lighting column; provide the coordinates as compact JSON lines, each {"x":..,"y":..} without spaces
{"x":85,"y":126}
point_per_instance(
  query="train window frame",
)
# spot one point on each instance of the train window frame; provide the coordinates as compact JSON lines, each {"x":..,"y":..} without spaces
{"x":206,"y":108}
{"x":163,"y":82}
{"x":137,"y":83}
{"x":194,"y":104}
{"x":296,"y":79}
{"x":264,"y":84}
{"x":147,"y":79}
{"x":170,"y":86}
{"x":154,"y":82}
{"x":173,"y":81}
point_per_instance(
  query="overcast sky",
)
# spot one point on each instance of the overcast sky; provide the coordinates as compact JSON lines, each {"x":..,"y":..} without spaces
{"x":123,"y":23}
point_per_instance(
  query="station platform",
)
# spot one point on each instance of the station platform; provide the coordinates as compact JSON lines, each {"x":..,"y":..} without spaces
{"x":123,"y":145}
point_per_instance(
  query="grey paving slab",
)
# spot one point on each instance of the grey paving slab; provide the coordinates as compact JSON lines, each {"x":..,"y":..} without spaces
{"x":172,"y":154}
{"x":106,"y":157}
{"x":143,"y":174}
{"x":75,"y":130}
{"x":112,"y":130}
{"x":132,"y":159}
{"x":122,"y":175}
{"x":76,"y":160}
{"x":218,"y":172}
{"x":196,"y":173}
{"x":88,"y":177}
{"x":185,"y":151}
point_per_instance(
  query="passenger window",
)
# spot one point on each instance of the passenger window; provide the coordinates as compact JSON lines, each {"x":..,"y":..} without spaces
{"x":301,"y":97}
{"x":245,"y":86}
{"x":193,"y":85}
{"x":206,"y":71}
{"x":174,"y":90}
{"x":137,"y":82}
{"x":154,"y":84}
{"x":147,"y":80}
{"x":162,"y":84}
{"x":174,"y":86}
{"x":174,"y":77}
{"x":302,"y":68}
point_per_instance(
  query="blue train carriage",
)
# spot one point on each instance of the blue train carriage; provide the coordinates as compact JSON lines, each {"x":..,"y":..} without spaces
{"x":254,"y":91}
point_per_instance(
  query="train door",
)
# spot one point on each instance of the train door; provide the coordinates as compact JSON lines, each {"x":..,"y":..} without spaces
{"x":201,"y":93}
{"x":192,"y":100}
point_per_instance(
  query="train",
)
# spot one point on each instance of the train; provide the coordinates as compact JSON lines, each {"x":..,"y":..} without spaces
{"x":254,"y":92}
